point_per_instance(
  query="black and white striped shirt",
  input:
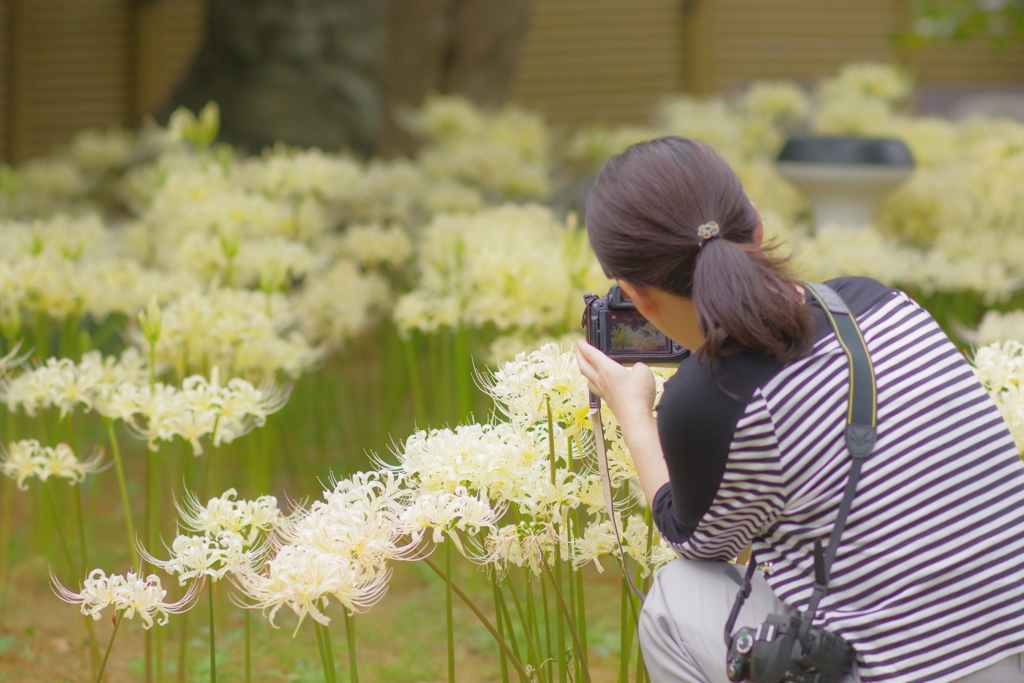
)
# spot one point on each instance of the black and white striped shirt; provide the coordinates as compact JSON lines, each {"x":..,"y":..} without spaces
{"x":928,"y":581}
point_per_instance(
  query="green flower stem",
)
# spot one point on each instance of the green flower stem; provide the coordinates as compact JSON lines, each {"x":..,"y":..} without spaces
{"x":534,"y":620}
{"x":508,"y":622}
{"x":323,"y":652}
{"x":394,"y":387}
{"x":551,"y":442}
{"x":436,"y":385}
{"x":152,"y":364}
{"x":42,"y":344}
{"x":523,"y":676}
{"x":6,"y":515}
{"x":158,"y":652}
{"x":147,"y":655}
{"x":83,"y":551}
{"x":568,"y":618}
{"x":125,"y":502}
{"x":152,"y":500}
{"x":548,"y":654}
{"x":560,"y":638}
{"x":499,"y":617}
{"x":6,"y":512}
{"x":448,"y":609}
{"x":60,"y":530}
{"x":205,"y":488}
{"x":581,"y":619}
{"x":110,"y":645}
{"x":213,"y":639}
{"x":248,"y":647}
{"x":328,"y":650}
{"x":183,"y":648}
{"x":556,"y":584}
{"x":350,"y":636}
{"x":573,"y":611}
{"x":626,"y":628}
{"x":415,"y":385}
{"x":94,"y":645}
{"x":446,"y":372}
{"x":529,"y":625}
{"x":463,"y":373}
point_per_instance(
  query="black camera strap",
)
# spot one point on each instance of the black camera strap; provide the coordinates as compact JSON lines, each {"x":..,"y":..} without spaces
{"x":860,"y":441}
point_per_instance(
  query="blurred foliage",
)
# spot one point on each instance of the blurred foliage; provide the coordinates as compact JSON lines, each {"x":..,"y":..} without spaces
{"x":999,"y":22}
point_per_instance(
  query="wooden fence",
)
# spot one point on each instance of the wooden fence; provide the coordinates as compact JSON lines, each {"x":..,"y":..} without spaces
{"x":66,"y":65}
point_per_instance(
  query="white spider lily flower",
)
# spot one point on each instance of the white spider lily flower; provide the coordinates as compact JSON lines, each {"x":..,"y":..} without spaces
{"x":61,"y":383}
{"x":196,"y":557}
{"x":128,"y":595}
{"x":382,"y":491}
{"x":550,"y":500}
{"x":300,"y":577}
{"x":483,"y":268}
{"x":60,"y":461}
{"x":247,"y":518}
{"x":249,"y":332}
{"x":202,"y":408}
{"x":358,"y":519}
{"x":1000,"y":368}
{"x":242,"y":401}
{"x":21,"y":461}
{"x":263,"y":514}
{"x":527,"y":544}
{"x":599,"y":540}
{"x":26,"y":458}
{"x":523,"y":389}
{"x":495,"y":460}
{"x":53,"y":383}
{"x":447,"y":512}
{"x":369,"y":541}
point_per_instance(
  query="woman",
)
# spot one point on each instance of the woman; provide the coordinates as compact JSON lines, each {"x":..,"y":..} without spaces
{"x":928,"y":582}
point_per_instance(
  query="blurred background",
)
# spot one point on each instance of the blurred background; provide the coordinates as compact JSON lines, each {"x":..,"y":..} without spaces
{"x":205,"y":299}
{"x":335,"y":73}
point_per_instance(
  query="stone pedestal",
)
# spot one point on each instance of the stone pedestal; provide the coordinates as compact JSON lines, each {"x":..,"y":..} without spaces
{"x":845,"y":179}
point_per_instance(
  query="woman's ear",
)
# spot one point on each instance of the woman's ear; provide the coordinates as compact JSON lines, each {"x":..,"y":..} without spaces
{"x":639,"y":296}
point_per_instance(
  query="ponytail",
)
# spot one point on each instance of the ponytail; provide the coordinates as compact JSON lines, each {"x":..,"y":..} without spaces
{"x":745,"y":300}
{"x":643,"y":217}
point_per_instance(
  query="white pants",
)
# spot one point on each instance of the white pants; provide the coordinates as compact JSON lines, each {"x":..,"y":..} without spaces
{"x":683,"y":622}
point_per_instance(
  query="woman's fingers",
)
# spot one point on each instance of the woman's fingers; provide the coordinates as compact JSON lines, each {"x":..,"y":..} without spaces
{"x":589,"y":361}
{"x":595,"y":358}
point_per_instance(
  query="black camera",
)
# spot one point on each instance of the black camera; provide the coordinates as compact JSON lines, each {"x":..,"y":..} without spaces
{"x":615,"y":327}
{"x":776,"y":651}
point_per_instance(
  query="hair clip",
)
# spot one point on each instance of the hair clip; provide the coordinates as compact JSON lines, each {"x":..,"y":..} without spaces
{"x":707,"y":231}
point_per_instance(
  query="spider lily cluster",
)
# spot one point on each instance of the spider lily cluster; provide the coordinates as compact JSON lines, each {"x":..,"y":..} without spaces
{"x":178,"y":292}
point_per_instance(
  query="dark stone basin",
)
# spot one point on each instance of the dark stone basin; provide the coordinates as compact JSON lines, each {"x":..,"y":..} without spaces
{"x":846,"y":150}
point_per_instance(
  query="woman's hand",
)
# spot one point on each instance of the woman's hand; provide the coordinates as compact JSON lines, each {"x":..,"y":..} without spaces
{"x":627,"y":391}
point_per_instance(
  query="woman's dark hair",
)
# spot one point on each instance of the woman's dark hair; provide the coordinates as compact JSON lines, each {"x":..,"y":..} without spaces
{"x":642,"y":217}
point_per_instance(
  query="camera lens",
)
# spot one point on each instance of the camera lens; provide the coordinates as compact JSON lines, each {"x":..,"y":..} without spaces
{"x":744,"y":643}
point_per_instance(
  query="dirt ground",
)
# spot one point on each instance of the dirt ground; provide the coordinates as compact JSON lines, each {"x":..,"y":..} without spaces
{"x":402,"y":638}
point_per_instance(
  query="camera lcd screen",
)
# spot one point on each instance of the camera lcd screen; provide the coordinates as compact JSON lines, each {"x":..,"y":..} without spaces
{"x":631,"y":332}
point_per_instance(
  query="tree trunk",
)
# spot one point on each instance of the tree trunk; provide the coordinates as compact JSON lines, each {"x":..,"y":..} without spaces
{"x":306,"y":72}
{"x":334,"y":73}
{"x":465,"y":47}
